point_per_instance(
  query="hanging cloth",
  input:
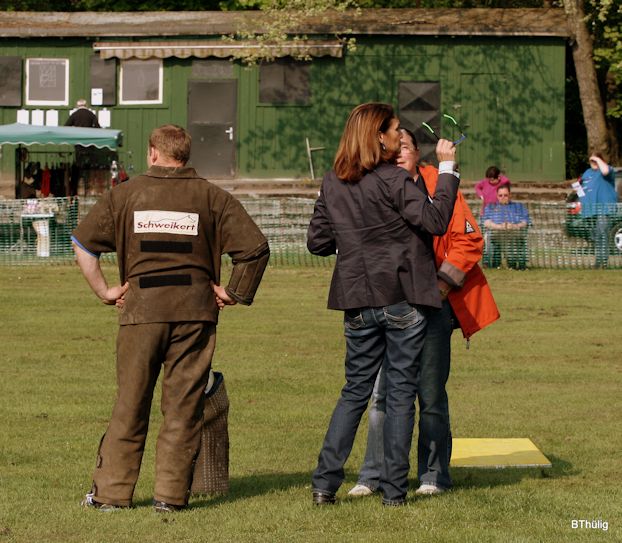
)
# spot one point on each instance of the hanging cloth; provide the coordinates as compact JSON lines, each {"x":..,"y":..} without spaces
{"x":46,"y":176}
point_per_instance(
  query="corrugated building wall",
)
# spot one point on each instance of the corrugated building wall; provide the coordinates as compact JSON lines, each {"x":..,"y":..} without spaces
{"x":507,"y":93}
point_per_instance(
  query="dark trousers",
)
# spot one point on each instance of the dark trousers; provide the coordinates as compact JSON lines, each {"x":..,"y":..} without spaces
{"x":434,"y":444}
{"x":392,"y":338}
{"x":509,"y":243}
{"x":600,"y":236}
{"x":183,"y":351}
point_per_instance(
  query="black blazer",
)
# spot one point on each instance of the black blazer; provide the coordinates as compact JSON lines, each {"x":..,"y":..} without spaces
{"x":381,"y":229}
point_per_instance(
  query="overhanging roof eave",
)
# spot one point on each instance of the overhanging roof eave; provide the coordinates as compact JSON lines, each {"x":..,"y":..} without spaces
{"x":480,"y":33}
{"x":533,"y":22}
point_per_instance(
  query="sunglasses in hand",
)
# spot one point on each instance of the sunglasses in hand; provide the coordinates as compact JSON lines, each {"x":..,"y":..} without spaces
{"x":455,"y":123}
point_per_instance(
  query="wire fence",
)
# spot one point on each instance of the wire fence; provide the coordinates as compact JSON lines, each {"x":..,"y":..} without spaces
{"x":38,"y":231}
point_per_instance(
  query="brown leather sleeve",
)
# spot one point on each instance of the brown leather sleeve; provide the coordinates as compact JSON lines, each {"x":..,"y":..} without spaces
{"x":247,"y":273}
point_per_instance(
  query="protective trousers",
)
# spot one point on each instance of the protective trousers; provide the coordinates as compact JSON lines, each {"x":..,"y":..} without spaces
{"x":184,"y":353}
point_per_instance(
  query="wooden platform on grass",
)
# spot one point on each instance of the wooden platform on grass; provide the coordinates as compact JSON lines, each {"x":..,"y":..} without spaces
{"x":497,"y":453}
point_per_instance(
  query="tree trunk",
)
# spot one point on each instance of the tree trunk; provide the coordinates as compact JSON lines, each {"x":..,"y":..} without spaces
{"x":591,"y":101}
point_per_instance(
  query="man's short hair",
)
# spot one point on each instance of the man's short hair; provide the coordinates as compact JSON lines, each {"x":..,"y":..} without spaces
{"x":505,"y":187}
{"x":172,"y":141}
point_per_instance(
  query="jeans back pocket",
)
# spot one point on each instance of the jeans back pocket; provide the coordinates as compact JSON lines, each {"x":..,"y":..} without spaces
{"x":353,"y":319}
{"x":402,"y":315}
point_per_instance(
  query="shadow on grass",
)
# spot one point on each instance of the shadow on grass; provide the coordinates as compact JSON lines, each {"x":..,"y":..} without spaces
{"x":486,"y":478}
{"x":254,"y":485}
{"x":265,"y":483}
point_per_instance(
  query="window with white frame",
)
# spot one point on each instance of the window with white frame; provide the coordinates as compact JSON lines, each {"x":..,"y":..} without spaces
{"x":141,"y":81}
{"x":47,"y":81}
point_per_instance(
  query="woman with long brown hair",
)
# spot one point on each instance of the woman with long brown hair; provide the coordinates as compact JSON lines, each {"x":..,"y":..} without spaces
{"x":380,"y":224}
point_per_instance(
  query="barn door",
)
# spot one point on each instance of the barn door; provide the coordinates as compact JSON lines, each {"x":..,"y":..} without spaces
{"x":483,"y":114}
{"x":212,"y":116}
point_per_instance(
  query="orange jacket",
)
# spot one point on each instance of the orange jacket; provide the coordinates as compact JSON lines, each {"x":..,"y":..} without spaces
{"x":457,"y":255}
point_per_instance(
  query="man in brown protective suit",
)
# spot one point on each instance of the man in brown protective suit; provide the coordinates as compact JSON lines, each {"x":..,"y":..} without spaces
{"x":169,"y":228}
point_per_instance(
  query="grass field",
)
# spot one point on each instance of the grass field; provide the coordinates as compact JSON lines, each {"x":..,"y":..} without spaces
{"x":550,"y":370}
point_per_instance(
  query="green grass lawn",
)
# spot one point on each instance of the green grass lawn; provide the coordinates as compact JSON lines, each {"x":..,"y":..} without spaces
{"x":549,"y":370}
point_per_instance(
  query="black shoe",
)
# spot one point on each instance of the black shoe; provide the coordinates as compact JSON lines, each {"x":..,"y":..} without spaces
{"x":322,"y":497}
{"x":163,"y":507}
{"x":89,"y":503}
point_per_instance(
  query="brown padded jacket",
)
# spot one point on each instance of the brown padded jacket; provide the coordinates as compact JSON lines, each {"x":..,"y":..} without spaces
{"x":169,"y":228}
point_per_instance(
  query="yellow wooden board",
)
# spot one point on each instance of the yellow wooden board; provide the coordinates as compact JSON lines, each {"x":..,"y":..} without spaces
{"x":497,"y":453}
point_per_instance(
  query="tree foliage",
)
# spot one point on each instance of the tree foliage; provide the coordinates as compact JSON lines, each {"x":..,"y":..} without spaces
{"x":278,"y":18}
{"x":605,"y":22}
{"x":597,"y":26}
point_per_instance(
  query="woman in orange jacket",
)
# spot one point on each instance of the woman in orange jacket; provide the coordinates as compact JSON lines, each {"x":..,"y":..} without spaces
{"x":467,"y":303}
{"x":457,"y":254}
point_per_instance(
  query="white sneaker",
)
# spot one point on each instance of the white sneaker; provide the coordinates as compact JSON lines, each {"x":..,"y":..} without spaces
{"x":428,"y":489}
{"x":360,"y":490}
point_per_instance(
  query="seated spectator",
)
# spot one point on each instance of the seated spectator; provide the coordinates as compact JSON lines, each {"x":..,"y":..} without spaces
{"x":505,"y":224}
{"x":486,"y":189}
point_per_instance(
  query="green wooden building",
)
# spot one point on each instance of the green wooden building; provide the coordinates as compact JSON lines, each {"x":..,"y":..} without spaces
{"x":499,"y":73}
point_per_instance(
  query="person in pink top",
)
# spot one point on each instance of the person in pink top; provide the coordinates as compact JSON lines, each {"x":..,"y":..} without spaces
{"x":486,"y":189}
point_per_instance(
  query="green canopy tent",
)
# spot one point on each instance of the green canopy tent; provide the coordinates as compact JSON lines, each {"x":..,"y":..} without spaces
{"x":26,"y":135}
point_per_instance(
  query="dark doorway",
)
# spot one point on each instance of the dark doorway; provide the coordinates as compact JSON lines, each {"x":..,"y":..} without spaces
{"x":212,"y":107}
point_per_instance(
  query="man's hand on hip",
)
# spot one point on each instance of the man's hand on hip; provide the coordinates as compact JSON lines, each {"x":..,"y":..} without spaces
{"x":115,"y":295}
{"x":222,"y":298}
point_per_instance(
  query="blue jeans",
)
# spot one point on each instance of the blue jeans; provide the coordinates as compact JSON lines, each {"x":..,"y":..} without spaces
{"x":600,"y":236}
{"x":434,"y":445}
{"x":392,"y":338}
